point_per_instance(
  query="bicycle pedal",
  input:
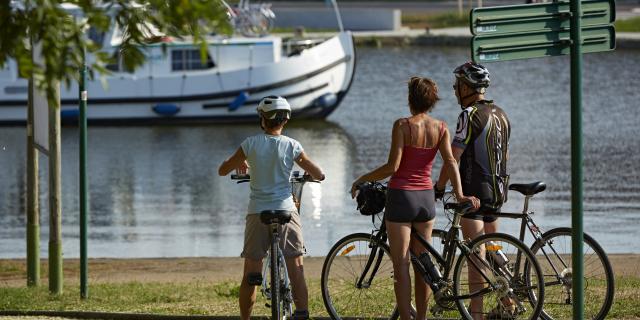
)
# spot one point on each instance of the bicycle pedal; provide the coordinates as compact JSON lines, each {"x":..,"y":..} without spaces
{"x":267,"y":305}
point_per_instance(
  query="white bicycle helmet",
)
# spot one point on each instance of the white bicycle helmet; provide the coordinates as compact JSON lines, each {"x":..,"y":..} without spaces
{"x":476,"y":75}
{"x":274,"y":103}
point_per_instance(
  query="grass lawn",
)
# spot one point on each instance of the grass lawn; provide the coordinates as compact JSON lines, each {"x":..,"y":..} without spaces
{"x":440,"y":20}
{"x":202,"y":298}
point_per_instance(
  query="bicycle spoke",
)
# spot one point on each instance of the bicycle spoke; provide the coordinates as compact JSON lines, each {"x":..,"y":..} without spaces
{"x":344,"y":267}
{"x":502,"y":281}
{"x":598,"y":277}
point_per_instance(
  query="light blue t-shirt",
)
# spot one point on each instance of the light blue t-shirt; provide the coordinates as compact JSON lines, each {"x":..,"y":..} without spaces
{"x":271,"y":160}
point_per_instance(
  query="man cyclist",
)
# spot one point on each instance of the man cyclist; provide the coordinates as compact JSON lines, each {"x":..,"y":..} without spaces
{"x":480,"y":146}
{"x":270,"y":156}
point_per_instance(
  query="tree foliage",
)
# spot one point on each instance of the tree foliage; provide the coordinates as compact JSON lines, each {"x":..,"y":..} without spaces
{"x":60,"y":28}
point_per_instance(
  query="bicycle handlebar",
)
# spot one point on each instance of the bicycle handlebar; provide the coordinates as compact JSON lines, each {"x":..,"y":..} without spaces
{"x":459,"y":207}
{"x":296,"y":177}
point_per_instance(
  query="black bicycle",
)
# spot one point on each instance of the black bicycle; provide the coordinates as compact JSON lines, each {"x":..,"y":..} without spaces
{"x":553,"y":249}
{"x":278,"y":288}
{"x":357,"y":275}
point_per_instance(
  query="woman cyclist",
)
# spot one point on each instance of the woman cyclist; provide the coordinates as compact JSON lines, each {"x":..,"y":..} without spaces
{"x":410,"y":199}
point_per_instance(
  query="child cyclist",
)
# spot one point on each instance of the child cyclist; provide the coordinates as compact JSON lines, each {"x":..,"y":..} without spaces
{"x":270,"y":156}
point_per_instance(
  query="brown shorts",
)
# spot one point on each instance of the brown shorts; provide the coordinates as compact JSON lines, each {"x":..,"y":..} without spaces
{"x":257,"y":240}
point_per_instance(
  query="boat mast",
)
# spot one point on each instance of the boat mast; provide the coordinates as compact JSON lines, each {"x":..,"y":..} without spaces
{"x":338,"y":16}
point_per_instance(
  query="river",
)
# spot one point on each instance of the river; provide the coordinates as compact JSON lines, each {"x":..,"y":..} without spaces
{"x":154,"y":191}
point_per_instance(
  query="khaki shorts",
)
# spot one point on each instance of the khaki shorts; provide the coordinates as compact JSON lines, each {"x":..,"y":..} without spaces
{"x":257,"y":239}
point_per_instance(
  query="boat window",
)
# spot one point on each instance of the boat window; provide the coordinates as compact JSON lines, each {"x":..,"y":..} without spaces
{"x":189,"y":59}
{"x":115,"y":63}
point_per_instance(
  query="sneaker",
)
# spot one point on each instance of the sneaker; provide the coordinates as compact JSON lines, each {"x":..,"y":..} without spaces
{"x":502,"y":311}
{"x":300,"y":315}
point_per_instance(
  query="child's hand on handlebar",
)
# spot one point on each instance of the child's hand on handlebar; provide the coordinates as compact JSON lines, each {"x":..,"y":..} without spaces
{"x":243,"y":168}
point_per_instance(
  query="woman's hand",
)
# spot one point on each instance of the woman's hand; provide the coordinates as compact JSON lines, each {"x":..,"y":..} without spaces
{"x":354,"y":188}
{"x":243,"y":168}
{"x":474,"y":201}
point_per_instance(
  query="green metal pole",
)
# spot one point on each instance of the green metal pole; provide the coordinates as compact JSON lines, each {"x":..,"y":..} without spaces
{"x":55,"y":196}
{"x":84,"y":266}
{"x":576,"y":160}
{"x":33,"y":205}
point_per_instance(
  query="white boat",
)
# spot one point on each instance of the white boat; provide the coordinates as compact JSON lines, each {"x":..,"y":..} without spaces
{"x":175,"y":86}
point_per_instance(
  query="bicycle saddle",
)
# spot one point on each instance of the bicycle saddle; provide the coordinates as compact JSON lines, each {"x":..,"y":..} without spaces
{"x":528,"y":189}
{"x":275,"y":216}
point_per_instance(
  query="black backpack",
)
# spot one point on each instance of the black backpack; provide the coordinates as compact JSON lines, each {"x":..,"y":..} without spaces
{"x":371,"y":198}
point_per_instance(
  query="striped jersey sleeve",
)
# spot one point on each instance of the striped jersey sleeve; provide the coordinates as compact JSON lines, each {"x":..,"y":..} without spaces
{"x":464,"y":128}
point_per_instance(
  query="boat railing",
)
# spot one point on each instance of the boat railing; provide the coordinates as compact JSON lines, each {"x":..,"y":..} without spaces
{"x":251,"y":20}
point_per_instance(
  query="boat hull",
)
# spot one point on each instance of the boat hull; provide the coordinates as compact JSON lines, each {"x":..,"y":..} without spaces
{"x":314,"y":81}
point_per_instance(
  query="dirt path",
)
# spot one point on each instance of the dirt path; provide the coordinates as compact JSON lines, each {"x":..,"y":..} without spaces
{"x":179,"y":270}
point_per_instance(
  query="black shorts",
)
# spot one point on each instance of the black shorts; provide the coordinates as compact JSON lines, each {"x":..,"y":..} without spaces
{"x":410,"y":205}
{"x":479,"y":215}
{"x":483,"y":190}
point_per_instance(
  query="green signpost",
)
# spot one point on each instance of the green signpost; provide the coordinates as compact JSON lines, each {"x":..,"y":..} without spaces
{"x":539,"y":30}
{"x":540,"y":16}
{"x":552,"y":29}
{"x":536,"y":44}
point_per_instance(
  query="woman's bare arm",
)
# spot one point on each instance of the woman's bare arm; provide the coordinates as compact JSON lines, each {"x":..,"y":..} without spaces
{"x":393,"y":162}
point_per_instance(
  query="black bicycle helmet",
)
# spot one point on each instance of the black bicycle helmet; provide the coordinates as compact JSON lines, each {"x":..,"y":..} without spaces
{"x":476,"y":75}
{"x":371,"y":198}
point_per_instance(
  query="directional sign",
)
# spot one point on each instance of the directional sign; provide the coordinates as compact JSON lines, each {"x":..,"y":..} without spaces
{"x":536,"y":44}
{"x":539,"y":16}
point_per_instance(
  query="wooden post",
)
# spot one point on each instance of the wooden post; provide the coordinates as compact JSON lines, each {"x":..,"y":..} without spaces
{"x":55,"y":196}
{"x":33,"y":204}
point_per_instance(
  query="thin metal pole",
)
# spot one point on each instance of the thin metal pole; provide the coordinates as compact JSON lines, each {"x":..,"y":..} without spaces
{"x":576,"y":161}
{"x":55,"y":196}
{"x":33,"y":199}
{"x":84,"y":266}
{"x":338,"y":16}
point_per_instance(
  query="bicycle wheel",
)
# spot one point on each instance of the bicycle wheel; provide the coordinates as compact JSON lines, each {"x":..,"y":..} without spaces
{"x":276,"y":312}
{"x":357,"y":279}
{"x":504,"y":291}
{"x":556,"y":268}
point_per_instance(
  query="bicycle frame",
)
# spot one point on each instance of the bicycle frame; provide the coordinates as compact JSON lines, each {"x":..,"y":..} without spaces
{"x":528,"y":223}
{"x":451,"y":239}
{"x":265,"y":289}
{"x":448,"y":258}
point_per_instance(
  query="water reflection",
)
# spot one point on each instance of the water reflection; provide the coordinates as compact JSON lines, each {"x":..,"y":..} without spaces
{"x":154,"y":191}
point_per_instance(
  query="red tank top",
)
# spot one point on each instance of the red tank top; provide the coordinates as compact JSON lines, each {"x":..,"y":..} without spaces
{"x":414,"y":172}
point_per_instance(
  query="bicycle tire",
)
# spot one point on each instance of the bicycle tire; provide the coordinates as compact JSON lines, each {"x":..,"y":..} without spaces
{"x":511,"y":285}
{"x":275,"y":280}
{"x":346,"y":260}
{"x":595,"y":272}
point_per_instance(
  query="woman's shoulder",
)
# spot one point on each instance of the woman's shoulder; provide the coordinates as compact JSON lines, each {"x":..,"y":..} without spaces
{"x":400,"y":122}
{"x":436,"y":122}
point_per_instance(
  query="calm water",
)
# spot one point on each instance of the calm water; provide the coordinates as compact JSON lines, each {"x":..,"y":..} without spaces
{"x":154,"y":191}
